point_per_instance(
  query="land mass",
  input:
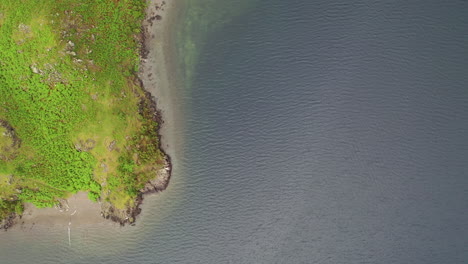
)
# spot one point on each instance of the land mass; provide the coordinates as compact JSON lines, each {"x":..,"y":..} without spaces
{"x":74,"y":115}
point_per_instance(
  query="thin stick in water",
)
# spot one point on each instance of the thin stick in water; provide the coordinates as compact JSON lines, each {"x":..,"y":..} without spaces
{"x":69,"y":236}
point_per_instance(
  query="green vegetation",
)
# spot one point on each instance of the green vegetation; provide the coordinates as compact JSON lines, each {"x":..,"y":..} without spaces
{"x":76,"y":119}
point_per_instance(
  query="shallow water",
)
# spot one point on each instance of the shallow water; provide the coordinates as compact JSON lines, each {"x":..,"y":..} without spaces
{"x":315,"y":132}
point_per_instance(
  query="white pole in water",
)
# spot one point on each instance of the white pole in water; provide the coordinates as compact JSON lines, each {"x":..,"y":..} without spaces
{"x":69,"y":237}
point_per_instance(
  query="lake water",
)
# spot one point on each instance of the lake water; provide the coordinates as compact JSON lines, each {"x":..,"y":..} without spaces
{"x":314,"y":132}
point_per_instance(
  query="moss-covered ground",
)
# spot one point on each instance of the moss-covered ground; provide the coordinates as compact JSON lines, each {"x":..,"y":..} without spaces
{"x":69,"y":92}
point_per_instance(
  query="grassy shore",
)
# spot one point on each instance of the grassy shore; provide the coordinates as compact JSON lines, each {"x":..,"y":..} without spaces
{"x":74,"y":115}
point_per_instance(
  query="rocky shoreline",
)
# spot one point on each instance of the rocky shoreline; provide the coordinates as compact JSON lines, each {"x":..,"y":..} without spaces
{"x":157,"y":184}
{"x":8,"y":222}
{"x":163,"y":176}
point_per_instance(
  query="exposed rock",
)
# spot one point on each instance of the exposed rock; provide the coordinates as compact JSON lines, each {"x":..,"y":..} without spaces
{"x":104,"y":167}
{"x":111,"y":146}
{"x":87,"y":145}
{"x":24,"y":28}
{"x":70,"y":45}
{"x":9,"y":179}
{"x":8,"y":221}
{"x":34,"y":69}
{"x":161,"y":181}
{"x":121,"y":216}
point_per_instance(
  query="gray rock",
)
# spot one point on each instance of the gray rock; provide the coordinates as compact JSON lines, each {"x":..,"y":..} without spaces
{"x":34,"y":69}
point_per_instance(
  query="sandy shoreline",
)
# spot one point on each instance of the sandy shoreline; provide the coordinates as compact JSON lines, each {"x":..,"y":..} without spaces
{"x":78,"y":210}
{"x":155,"y":74}
{"x":158,"y":70}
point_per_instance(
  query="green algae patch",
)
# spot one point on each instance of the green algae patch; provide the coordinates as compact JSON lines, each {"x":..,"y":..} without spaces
{"x":78,"y":118}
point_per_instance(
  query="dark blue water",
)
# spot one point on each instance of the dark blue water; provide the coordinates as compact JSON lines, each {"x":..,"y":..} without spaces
{"x":315,"y":132}
{"x":332,"y":132}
